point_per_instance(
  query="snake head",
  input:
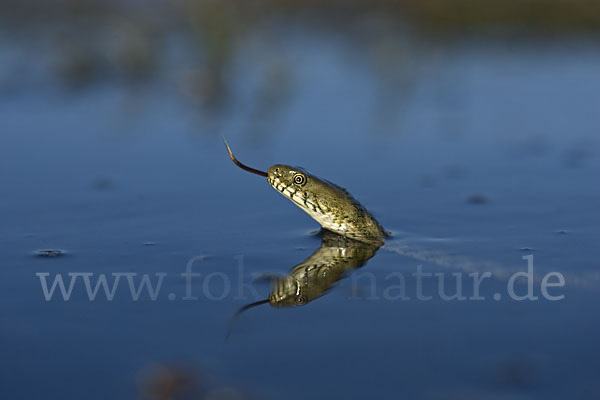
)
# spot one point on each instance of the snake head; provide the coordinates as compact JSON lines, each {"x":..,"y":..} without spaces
{"x":329,"y":204}
{"x":288,"y":292}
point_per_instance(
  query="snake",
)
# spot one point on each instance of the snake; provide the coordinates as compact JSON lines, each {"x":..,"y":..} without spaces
{"x":332,"y":206}
{"x":349,"y":238}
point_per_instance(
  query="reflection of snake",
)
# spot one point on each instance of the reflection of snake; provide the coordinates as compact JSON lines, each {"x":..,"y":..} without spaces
{"x":315,"y":275}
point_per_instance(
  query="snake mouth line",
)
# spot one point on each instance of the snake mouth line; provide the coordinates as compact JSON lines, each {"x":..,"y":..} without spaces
{"x":276,"y":184}
{"x":282,"y":188}
{"x":302,"y":202}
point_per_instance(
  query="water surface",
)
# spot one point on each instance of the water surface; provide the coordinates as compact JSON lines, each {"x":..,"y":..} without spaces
{"x":473,"y":158}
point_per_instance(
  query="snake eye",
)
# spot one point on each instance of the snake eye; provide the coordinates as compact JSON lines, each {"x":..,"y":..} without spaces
{"x":299,"y":179}
{"x":300,"y":300}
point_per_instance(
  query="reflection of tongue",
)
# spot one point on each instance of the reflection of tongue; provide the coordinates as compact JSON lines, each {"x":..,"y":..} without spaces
{"x":241,"y":310}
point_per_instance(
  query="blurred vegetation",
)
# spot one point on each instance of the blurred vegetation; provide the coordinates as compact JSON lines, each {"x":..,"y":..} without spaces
{"x":460,"y":16}
{"x":87,"y":41}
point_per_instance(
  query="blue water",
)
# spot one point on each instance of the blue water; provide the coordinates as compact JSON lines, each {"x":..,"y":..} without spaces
{"x":126,"y":179}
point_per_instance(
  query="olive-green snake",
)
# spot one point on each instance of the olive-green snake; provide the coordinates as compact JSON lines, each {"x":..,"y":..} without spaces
{"x":327,"y":203}
{"x":351,"y":236}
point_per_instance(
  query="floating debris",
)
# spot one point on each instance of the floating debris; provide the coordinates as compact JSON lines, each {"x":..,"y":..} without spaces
{"x":149,"y":243}
{"x":525,"y":248}
{"x":50,"y":253}
{"x":563,"y":232}
{"x":477,"y":199}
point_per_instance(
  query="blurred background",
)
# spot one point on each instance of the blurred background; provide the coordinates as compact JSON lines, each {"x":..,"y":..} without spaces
{"x":469,"y":128}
